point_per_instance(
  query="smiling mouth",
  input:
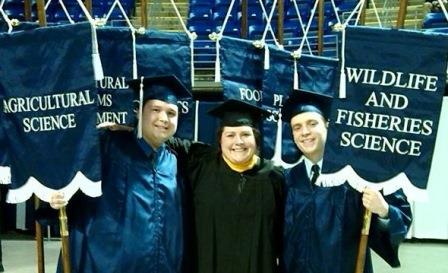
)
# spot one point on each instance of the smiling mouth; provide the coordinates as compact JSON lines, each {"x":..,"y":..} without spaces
{"x":161,"y":127}
{"x":308,"y":140}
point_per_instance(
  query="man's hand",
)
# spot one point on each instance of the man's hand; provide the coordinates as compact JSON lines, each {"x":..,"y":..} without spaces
{"x":374,"y":201}
{"x":114,"y":126}
{"x":57,"y":200}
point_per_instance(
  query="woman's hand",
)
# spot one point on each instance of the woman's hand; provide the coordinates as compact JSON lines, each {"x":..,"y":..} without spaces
{"x":57,"y":200}
{"x":374,"y":201}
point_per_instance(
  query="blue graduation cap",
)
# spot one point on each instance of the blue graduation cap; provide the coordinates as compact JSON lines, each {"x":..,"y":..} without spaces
{"x":235,"y":113}
{"x":167,"y":88}
{"x":306,"y":101}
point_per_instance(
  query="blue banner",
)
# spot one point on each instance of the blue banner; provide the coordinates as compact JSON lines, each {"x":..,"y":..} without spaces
{"x":278,"y":143}
{"x":5,"y":172}
{"x":318,"y":74}
{"x":21,"y":27}
{"x":207,"y":125}
{"x":49,"y":108}
{"x":242,"y":74}
{"x":241,"y":70}
{"x":383,"y":133}
{"x":168,"y":53}
{"x":115,"y":98}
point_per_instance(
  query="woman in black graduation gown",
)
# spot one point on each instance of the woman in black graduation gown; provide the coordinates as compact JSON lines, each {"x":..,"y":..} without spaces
{"x":236,"y":196}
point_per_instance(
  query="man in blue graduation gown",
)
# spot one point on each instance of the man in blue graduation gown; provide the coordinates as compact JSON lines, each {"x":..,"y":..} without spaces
{"x":323,"y":224}
{"x":1,"y":260}
{"x":136,"y":225}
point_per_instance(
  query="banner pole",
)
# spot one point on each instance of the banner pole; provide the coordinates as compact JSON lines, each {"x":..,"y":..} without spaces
{"x":64,"y":238}
{"x":361,"y":258}
{"x":320,"y":28}
{"x":27,"y":9}
{"x":88,"y":4}
{"x":144,"y":14}
{"x":402,"y":13}
{"x":41,"y":13}
{"x":39,"y":241}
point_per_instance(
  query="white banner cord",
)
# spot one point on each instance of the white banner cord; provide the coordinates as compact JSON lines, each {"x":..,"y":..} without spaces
{"x":302,"y":28}
{"x":268,"y":23}
{"x":442,"y":6}
{"x":64,"y":9}
{"x":118,"y":4}
{"x":342,"y":80}
{"x":262,"y":42}
{"x":5,"y":17}
{"x":296,"y":54}
{"x":192,"y":36}
{"x":216,"y":37}
{"x":376,"y":13}
{"x":308,"y":25}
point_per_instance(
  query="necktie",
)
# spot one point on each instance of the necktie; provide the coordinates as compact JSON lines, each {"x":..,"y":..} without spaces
{"x":316,"y":170}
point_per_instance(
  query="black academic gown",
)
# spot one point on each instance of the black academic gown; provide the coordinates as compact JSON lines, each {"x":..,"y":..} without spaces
{"x":323,"y":225}
{"x":236,"y":216}
{"x":1,"y":261}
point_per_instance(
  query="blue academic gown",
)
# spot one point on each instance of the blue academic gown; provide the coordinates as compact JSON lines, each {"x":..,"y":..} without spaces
{"x":323,"y":225}
{"x":136,"y":225}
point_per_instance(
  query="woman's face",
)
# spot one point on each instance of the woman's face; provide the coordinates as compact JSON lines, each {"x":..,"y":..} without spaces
{"x":238,"y":144}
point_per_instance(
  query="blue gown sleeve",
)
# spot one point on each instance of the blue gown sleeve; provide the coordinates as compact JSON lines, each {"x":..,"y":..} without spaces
{"x":387,"y":234}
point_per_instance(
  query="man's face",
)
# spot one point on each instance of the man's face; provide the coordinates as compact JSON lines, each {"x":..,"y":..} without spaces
{"x":159,"y":122}
{"x":310,"y":134}
{"x":238,"y":144}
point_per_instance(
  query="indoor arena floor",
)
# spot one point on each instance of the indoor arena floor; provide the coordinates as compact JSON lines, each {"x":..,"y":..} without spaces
{"x":416,"y":257}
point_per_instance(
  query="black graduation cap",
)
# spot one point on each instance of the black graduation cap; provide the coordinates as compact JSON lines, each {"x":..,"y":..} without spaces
{"x":238,"y":113}
{"x":301,"y":101}
{"x":167,"y":88}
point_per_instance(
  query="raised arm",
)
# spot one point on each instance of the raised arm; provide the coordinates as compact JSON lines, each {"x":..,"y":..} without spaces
{"x":389,"y":229}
